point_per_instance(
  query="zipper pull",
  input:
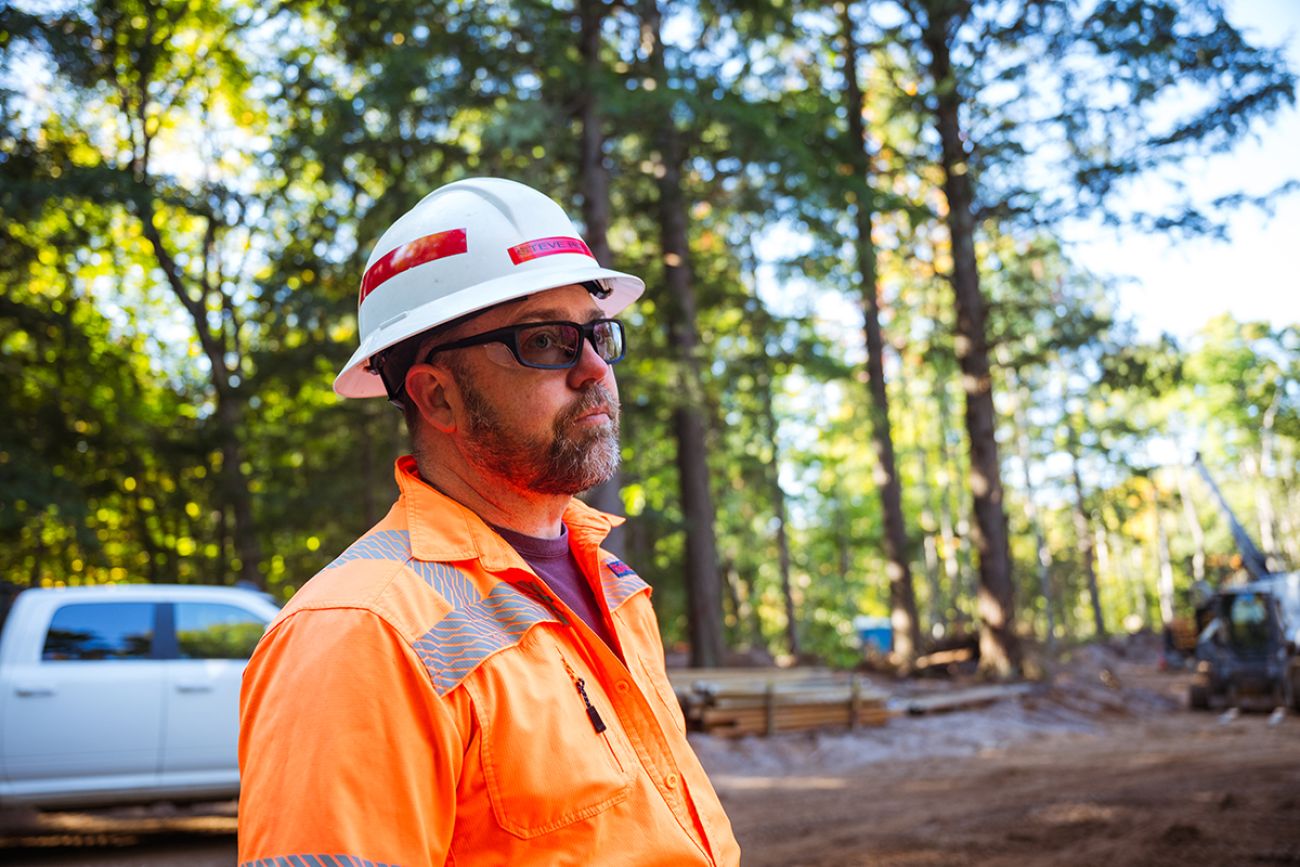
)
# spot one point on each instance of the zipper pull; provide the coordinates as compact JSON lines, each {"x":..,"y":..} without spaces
{"x":592,"y":714}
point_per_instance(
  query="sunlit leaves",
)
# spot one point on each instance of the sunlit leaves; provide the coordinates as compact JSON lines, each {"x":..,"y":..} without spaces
{"x":266,"y":147}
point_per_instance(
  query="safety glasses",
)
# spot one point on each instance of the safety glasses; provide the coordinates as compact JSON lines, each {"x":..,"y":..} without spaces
{"x":549,"y":345}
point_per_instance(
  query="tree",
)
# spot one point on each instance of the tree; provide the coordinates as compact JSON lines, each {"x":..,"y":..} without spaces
{"x":148,"y":69}
{"x":1046,"y":59}
{"x":593,"y":179}
{"x":907,"y":635}
{"x":704,"y":590}
{"x":939,"y":21}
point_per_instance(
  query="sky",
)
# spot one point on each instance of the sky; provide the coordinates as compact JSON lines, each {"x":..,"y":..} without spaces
{"x":1177,"y":285}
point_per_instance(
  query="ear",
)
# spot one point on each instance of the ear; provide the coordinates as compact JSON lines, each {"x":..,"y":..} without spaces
{"x":433,"y":391}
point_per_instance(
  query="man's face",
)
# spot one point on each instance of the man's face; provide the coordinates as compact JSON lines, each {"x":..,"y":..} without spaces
{"x":545,"y":431}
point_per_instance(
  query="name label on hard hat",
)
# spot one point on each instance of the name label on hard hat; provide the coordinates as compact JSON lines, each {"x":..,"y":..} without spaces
{"x":522,"y":253}
{"x":439,"y":245}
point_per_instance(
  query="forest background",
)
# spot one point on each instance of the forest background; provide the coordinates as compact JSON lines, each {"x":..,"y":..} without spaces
{"x":867,"y":376}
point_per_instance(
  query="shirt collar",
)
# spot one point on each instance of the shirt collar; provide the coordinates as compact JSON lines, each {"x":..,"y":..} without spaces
{"x":443,"y":530}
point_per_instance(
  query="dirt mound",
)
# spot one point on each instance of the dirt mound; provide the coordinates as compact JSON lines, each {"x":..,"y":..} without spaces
{"x":1115,"y":678}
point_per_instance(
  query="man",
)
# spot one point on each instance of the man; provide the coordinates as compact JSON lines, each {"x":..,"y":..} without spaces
{"x":475,"y":681}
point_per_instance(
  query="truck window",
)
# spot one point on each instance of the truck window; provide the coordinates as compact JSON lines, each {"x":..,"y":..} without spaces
{"x":210,"y":630}
{"x":100,"y":631}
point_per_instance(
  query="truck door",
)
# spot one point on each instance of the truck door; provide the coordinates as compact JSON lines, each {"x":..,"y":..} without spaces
{"x":87,"y":712}
{"x":201,"y":716}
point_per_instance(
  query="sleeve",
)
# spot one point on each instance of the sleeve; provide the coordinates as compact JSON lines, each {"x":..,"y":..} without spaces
{"x":346,"y":754}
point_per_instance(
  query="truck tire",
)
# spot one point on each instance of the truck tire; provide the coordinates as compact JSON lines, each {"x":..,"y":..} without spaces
{"x":1291,"y":688}
{"x":1198,"y":697}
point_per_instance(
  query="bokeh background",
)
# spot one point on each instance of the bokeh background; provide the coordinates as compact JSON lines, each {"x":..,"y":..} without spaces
{"x":189,"y":191}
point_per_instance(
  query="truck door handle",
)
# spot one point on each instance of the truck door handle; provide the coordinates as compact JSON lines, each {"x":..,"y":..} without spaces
{"x":194,"y":687}
{"x":28,"y":690}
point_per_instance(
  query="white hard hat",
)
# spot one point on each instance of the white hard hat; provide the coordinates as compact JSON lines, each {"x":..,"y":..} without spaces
{"x":463,"y":248}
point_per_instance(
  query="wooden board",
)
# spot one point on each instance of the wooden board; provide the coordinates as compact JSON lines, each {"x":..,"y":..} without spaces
{"x":960,"y":699}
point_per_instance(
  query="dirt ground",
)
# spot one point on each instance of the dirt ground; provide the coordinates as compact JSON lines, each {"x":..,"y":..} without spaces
{"x":1102,"y":767}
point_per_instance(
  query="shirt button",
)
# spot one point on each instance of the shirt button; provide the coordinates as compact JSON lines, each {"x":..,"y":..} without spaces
{"x":671,"y":781}
{"x":622,"y":686}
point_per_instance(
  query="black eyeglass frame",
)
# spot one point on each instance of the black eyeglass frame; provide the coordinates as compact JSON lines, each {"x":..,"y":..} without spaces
{"x":509,"y":336}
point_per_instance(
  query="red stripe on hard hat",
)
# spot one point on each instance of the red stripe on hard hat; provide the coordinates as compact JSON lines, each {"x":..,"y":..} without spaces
{"x":548,"y":247}
{"x":436,"y":246}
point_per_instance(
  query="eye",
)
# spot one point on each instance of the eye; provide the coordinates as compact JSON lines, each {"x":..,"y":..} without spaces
{"x":541,"y":339}
{"x":549,"y":344}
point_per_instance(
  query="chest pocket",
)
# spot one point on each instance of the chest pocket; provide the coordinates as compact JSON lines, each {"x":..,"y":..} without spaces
{"x":544,"y":764}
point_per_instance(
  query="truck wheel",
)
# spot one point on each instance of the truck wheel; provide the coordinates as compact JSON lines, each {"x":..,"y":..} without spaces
{"x":1291,"y":689}
{"x":1198,"y":697}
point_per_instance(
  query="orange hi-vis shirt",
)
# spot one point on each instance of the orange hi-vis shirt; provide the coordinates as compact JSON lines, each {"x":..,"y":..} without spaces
{"x":426,"y":699}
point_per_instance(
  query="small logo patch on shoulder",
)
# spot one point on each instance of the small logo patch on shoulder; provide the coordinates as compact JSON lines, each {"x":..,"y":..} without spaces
{"x":619,"y":568}
{"x":624,"y":584}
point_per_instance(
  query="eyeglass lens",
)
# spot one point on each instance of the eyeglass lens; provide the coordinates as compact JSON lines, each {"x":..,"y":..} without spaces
{"x":555,"y":344}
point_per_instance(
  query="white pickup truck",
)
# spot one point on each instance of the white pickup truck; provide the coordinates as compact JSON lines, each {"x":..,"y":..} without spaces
{"x":124,"y":693}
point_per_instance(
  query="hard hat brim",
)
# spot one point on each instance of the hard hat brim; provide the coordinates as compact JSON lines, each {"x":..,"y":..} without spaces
{"x":356,"y":380}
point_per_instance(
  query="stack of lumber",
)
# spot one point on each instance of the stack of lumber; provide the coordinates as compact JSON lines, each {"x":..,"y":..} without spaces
{"x":765,"y":701}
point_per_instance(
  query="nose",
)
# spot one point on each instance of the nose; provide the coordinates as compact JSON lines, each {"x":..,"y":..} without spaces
{"x":590,"y":367}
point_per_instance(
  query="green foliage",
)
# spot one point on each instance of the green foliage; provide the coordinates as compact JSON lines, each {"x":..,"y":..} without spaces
{"x":188,"y":193}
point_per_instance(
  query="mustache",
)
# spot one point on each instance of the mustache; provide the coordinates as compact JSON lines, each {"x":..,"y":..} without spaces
{"x":594,"y":398}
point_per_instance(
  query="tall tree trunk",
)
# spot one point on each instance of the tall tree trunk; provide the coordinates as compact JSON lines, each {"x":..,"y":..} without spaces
{"x":955,"y":552}
{"x":773,"y":470}
{"x":235,"y":489}
{"x":936,"y":605}
{"x":748,"y":623}
{"x":999,"y":645}
{"x":594,"y":184}
{"x":140,"y":517}
{"x":954,"y":544}
{"x":902,"y":596}
{"x":1145,"y":571}
{"x":843,"y":540}
{"x":1031,"y":515}
{"x":1083,"y":531}
{"x":730,"y":597}
{"x":703,"y":585}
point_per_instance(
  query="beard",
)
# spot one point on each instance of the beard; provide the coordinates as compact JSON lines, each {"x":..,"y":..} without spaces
{"x":569,"y":460}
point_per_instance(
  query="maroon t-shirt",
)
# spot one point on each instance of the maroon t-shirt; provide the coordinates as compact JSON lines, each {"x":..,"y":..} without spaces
{"x":555,"y":564}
